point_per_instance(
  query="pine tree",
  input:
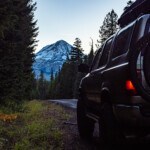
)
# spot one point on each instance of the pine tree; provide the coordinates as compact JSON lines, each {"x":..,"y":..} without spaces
{"x":91,"y":54}
{"x":67,"y":79}
{"x":108,"y":28}
{"x":29,"y":32}
{"x":56,"y":85}
{"x":52,"y":75}
{"x":52,"y":85}
{"x":42,"y":87}
{"x":65,"y":83}
{"x":17,"y":41}
{"x":78,"y":56}
{"x":7,"y":19}
{"x":34,"y":91}
{"x":77,"y":51}
{"x":85,"y":59}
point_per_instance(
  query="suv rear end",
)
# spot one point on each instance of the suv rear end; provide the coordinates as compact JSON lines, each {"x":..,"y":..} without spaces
{"x":116,"y":90}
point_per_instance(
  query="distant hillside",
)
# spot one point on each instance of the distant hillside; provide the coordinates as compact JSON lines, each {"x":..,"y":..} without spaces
{"x":51,"y":58}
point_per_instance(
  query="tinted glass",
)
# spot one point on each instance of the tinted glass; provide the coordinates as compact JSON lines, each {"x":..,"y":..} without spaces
{"x":105,"y":53}
{"x":96,"y":60}
{"x":122,"y":42}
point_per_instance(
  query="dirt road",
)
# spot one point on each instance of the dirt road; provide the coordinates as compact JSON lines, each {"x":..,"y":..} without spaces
{"x":72,"y":140}
{"x":69,"y":103}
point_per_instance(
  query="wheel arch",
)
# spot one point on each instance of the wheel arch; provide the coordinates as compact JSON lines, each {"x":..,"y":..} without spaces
{"x":105,"y":95}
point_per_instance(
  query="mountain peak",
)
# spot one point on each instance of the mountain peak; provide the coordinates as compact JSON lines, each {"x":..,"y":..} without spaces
{"x":61,"y":42}
{"x":51,"y":57}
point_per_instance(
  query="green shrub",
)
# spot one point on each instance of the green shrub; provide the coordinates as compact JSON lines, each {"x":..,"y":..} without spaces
{"x":11,"y":106}
{"x":36,"y":128}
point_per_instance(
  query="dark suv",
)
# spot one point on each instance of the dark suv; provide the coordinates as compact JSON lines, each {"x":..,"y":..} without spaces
{"x":116,"y":90}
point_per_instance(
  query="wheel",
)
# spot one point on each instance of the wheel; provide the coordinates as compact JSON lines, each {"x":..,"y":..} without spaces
{"x":109,"y":130}
{"x":139,"y":67}
{"x":85,"y":124}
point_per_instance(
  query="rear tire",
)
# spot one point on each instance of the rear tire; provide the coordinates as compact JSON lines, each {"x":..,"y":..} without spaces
{"x":85,"y":124}
{"x":108,"y":127}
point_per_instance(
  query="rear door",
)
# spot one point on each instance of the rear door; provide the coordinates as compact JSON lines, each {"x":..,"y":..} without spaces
{"x":94,"y":80}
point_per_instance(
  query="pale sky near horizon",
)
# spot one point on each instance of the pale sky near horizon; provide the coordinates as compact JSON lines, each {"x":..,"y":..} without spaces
{"x":68,"y":19}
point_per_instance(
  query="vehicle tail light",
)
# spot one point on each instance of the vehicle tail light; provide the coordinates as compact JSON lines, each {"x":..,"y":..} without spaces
{"x":130,"y":86}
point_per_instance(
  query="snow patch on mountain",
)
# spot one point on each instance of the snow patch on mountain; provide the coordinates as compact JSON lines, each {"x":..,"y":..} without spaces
{"x":51,"y":58}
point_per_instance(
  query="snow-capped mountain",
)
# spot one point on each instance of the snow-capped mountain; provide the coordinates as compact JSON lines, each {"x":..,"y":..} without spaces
{"x":51,"y":58}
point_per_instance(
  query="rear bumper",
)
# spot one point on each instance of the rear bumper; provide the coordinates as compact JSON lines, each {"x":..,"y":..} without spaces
{"x":135,"y":114}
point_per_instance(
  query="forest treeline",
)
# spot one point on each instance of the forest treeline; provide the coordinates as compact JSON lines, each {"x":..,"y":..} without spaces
{"x":18,"y":32}
{"x":65,"y":83}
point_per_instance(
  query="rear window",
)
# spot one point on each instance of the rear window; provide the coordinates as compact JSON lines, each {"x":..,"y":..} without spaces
{"x":96,"y":60}
{"x":105,"y":53}
{"x":122,"y":42}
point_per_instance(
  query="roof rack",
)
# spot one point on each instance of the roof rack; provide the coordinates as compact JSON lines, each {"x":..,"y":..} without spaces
{"x":138,"y":8}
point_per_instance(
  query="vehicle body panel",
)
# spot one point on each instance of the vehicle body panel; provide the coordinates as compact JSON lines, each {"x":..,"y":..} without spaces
{"x":130,"y":110}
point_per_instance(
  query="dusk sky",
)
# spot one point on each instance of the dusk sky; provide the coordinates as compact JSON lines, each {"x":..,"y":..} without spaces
{"x":68,"y":19}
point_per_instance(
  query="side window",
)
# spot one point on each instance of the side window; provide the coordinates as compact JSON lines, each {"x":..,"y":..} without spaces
{"x":122,"y":42}
{"x":96,"y":60}
{"x":105,"y":53}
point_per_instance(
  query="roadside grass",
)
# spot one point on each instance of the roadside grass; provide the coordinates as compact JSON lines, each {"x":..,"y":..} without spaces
{"x":37,"y":127}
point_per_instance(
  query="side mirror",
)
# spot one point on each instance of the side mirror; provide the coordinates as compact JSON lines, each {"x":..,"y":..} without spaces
{"x":84,"y":68}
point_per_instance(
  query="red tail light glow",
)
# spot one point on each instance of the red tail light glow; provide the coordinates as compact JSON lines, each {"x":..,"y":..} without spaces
{"x":130,"y":86}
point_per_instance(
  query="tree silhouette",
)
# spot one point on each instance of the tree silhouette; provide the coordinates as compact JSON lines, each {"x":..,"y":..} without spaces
{"x":108,"y":28}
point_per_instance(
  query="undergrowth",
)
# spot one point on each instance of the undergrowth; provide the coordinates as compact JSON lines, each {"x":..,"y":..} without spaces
{"x":35,"y":127}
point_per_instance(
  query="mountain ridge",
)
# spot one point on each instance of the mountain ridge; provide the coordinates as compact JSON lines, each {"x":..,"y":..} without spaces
{"x":51,"y":58}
